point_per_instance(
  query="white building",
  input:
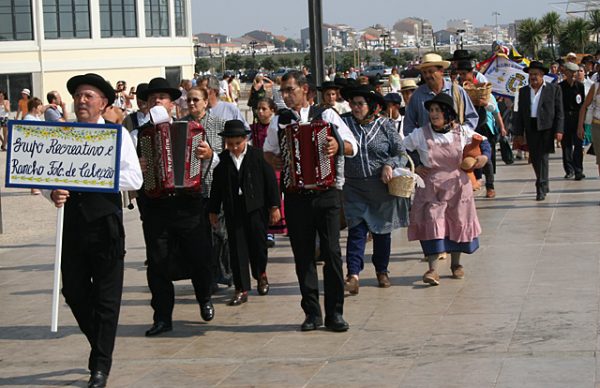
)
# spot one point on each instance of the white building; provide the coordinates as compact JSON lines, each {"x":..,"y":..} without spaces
{"x":45,"y":42}
{"x":462,"y":24}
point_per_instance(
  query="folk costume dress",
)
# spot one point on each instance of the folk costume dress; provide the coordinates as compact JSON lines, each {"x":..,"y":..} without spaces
{"x":443,"y":215}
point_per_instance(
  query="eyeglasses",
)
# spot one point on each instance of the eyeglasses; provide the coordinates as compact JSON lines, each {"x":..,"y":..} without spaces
{"x":86,"y":95}
{"x":287,"y":90}
{"x":360,"y":104}
{"x":194,"y":99}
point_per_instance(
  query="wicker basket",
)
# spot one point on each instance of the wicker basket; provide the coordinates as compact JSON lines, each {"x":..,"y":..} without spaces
{"x":403,"y":186}
{"x":478,"y":92}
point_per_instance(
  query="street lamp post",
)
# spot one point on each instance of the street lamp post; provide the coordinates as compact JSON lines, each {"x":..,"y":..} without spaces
{"x":496,"y":14}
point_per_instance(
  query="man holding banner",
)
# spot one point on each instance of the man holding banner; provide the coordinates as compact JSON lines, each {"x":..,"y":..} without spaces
{"x":94,"y":239}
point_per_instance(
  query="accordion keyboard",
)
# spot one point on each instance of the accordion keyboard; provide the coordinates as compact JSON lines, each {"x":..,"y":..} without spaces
{"x":150,"y":178}
{"x":195,"y":163}
{"x":324,"y":164}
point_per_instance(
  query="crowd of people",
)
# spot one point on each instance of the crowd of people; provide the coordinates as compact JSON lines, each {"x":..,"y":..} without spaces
{"x":221,"y":233}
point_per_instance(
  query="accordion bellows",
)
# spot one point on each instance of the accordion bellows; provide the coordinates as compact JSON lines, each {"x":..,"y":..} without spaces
{"x":304,"y":151}
{"x":169,"y":153}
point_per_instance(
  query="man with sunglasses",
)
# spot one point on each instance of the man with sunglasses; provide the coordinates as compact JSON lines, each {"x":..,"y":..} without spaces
{"x":176,"y":228}
{"x":313,"y":211}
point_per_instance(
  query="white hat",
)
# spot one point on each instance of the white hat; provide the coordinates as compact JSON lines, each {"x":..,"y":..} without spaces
{"x":573,"y":55}
{"x":26,"y":91}
{"x":571,"y":66}
{"x":432,"y":59}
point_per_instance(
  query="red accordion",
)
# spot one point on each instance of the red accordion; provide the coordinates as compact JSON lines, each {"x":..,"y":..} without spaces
{"x":304,"y":151}
{"x":169,"y":153}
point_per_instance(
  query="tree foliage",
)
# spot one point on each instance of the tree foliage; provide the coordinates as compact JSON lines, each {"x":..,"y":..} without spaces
{"x":268,"y":63}
{"x":250,"y":63}
{"x":202,"y":65}
{"x":552,"y":27}
{"x":290,"y":44}
{"x":575,"y":36}
{"x":594,"y":24}
{"x":234,"y":62}
{"x":530,"y":34}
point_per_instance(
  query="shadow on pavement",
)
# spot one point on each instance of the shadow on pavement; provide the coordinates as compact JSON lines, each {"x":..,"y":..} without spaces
{"x":47,"y":379}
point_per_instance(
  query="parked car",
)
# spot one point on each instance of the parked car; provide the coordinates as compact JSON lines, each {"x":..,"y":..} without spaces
{"x":248,"y":75}
{"x":279,"y":73}
{"x":377,"y":71}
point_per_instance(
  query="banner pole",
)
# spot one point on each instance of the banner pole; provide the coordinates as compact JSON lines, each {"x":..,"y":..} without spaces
{"x":56,"y":290}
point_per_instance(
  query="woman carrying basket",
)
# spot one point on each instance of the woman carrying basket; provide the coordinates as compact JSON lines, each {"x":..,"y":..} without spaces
{"x":443,"y":216}
{"x":367,"y":205}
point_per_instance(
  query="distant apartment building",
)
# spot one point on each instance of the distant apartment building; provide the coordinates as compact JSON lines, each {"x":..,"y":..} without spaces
{"x":445,"y":37}
{"x":420,"y":28}
{"x":333,"y":35}
{"x":462,"y":24}
{"x":46,"y":42}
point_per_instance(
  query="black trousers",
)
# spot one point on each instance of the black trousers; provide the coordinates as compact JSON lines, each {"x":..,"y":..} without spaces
{"x":490,"y":167}
{"x":540,"y":145}
{"x":178,"y":236}
{"x":247,"y":244}
{"x":572,"y":146}
{"x":92,"y":276}
{"x":307,"y":215}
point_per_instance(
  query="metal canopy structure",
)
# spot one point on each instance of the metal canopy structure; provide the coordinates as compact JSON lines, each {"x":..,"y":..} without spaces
{"x":577,"y":8}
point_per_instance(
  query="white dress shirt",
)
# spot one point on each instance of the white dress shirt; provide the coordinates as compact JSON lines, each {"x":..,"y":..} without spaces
{"x":535,"y":99}
{"x":237,"y":161}
{"x":272,"y":140}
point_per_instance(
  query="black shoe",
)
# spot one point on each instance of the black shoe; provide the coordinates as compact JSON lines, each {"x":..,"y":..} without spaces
{"x":579,"y":177}
{"x":207,"y":311}
{"x":97,"y":379}
{"x":312,"y":322}
{"x":158,"y":328}
{"x":540,"y":196}
{"x":336,"y":323}
{"x":263,"y":285}
{"x":569,"y":175}
{"x":239,"y":298}
{"x":270,"y":241}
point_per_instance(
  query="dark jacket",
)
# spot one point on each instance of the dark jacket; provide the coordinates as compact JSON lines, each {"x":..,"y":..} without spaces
{"x":256,"y":179}
{"x":550,"y":113}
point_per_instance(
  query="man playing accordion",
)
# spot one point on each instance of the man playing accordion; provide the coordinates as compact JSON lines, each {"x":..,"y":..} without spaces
{"x":314,"y":210}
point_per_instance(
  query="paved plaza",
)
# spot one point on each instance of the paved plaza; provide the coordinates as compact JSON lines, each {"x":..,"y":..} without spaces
{"x":526,"y":315}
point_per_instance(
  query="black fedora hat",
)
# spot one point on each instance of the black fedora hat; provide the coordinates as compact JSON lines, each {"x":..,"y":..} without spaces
{"x":158,"y":85}
{"x":94,"y":80}
{"x":328,"y":85}
{"x":141,"y":88}
{"x":461,"y":55}
{"x":366,"y":91}
{"x":536,"y":65}
{"x":443,"y":99}
{"x":464,"y":65}
{"x":394,"y":98}
{"x":340,"y":81}
{"x":234,"y":128}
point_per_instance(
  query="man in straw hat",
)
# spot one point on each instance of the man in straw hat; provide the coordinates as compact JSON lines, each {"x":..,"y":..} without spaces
{"x":539,"y":116}
{"x":432,"y":71}
{"x":94,"y":238}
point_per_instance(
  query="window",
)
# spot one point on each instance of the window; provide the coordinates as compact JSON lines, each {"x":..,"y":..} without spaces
{"x":118,"y":18}
{"x":180,"y":18}
{"x":157,"y":17}
{"x":15,"y":20}
{"x":66,"y":19}
{"x":13,"y":84}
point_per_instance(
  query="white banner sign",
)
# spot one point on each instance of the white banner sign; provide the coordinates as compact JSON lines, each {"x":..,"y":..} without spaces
{"x":508,"y":76}
{"x":72,"y":156}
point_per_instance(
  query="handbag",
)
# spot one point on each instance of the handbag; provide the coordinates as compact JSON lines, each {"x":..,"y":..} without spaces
{"x":506,"y":151}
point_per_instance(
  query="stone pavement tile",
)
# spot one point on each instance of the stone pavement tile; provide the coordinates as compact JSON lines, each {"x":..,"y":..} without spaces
{"x":458,"y":371}
{"x":362,"y":372}
{"x":458,"y":334}
{"x":547,"y":370}
{"x":401,"y":343}
{"x":486,"y":305}
{"x":179,"y":373}
{"x":43,"y":374}
{"x":490,"y":287}
{"x":224,"y":345}
{"x":312,"y":345}
{"x":273,"y":374}
{"x":565,"y":305}
{"x":539,"y":332}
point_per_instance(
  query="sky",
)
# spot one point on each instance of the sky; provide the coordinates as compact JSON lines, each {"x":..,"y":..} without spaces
{"x":288,"y":17}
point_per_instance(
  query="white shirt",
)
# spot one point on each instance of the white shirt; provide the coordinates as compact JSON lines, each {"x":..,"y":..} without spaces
{"x":272,"y":141}
{"x":535,"y":99}
{"x":237,"y":161}
{"x":416,"y":141}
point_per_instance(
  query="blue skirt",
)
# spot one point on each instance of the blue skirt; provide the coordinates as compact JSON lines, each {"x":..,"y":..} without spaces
{"x":432,"y":247}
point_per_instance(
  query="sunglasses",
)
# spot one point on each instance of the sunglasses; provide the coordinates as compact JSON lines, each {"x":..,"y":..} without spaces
{"x":194,"y":99}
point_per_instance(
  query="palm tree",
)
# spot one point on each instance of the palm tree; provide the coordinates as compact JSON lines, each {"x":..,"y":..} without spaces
{"x":552,"y":25}
{"x":575,"y":36}
{"x":530,"y":34}
{"x":595,"y":24}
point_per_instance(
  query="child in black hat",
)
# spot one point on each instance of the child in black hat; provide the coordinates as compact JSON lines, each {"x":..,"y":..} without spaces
{"x":246,"y":186}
